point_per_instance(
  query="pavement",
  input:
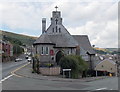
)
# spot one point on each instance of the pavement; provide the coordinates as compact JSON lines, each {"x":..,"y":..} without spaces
{"x":26,"y":71}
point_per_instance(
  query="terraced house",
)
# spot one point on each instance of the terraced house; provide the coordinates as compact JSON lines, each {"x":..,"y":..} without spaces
{"x":56,"y":41}
{"x":6,"y":50}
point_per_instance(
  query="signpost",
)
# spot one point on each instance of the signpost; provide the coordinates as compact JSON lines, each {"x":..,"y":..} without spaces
{"x":64,"y":70}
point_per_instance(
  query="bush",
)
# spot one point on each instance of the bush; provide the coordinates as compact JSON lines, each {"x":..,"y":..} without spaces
{"x":68,"y":62}
{"x":83,"y":66}
{"x":75,"y":63}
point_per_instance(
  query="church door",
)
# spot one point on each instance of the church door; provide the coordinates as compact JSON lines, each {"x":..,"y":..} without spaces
{"x":59,"y":55}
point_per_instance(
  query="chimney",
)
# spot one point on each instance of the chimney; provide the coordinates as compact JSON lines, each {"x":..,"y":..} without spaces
{"x":43,"y":25}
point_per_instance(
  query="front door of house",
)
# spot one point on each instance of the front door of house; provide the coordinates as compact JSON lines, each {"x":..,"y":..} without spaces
{"x":59,"y":55}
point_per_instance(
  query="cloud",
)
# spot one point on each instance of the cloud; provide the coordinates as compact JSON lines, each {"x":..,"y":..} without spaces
{"x":96,"y":19}
{"x":100,"y":34}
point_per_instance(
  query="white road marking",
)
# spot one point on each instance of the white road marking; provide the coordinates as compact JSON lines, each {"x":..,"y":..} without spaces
{"x":96,"y":90}
{"x":13,"y":73}
{"x":101,"y":89}
{"x":6,"y":78}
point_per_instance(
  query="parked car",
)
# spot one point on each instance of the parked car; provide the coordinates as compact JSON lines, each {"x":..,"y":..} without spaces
{"x":29,"y":59}
{"x":18,"y":59}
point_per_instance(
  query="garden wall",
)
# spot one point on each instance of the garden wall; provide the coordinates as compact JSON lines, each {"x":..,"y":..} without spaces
{"x":50,"y":71}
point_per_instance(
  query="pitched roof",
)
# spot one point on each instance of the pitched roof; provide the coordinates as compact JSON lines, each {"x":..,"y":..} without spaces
{"x":60,"y":40}
{"x":43,"y":39}
{"x":63,"y":40}
{"x":84,"y":43}
{"x":111,"y":61}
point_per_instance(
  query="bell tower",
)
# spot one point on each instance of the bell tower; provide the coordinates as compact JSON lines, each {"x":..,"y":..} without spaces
{"x":56,"y":27}
{"x":56,"y":17}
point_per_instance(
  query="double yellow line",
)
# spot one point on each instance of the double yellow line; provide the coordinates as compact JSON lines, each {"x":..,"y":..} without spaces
{"x":13,"y":72}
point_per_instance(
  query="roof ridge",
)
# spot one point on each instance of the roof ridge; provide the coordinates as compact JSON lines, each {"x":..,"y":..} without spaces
{"x":79,"y":35}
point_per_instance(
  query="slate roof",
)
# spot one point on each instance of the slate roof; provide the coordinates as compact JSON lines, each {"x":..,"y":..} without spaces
{"x":84,"y":42}
{"x":63,"y":40}
{"x":66,"y":40}
{"x":111,"y":61}
{"x":43,"y":39}
{"x":60,"y":40}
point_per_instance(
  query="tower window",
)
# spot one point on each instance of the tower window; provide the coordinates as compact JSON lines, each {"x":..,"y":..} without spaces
{"x":53,"y":30}
{"x":56,"y":28}
{"x":56,"y":21}
{"x":59,"y":30}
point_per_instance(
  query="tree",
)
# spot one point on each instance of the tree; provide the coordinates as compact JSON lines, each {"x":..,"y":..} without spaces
{"x":75,"y":63}
{"x":17,"y":49}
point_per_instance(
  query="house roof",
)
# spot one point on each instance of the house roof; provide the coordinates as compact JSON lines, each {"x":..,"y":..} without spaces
{"x":60,"y":40}
{"x":106,"y":67}
{"x":43,"y":39}
{"x":63,"y":40}
{"x":108,"y":61}
{"x":84,"y":43}
{"x":66,"y":40}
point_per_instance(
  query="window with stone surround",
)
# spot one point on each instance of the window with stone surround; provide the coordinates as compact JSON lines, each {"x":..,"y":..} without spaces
{"x":56,"y":29}
{"x":45,"y":51}
{"x":42,"y":51}
{"x":69,"y":52}
{"x":53,"y":30}
{"x":59,"y":30}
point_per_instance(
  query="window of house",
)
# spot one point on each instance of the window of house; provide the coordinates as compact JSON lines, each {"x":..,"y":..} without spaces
{"x":56,"y":28}
{"x":102,"y":66}
{"x":111,"y":68}
{"x":53,"y":30}
{"x":59,"y":30}
{"x":46,"y":50}
{"x":42,"y":51}
{"x":69,"y":52}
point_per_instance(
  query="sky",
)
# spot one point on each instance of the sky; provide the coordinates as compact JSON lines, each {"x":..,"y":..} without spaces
{"x":96,"y":18}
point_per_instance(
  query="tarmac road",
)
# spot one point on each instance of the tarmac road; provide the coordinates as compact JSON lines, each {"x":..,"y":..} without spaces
{"x":8,"y":67}
{"x":23,"y":83}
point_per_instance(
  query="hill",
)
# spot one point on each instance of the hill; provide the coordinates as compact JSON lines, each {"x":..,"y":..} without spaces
{"x":17,"y":38}
{"x":106,"y":50}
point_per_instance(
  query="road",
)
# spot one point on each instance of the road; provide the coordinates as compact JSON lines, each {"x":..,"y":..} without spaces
{"x":22,"y":83}
{"x":8,"y":67}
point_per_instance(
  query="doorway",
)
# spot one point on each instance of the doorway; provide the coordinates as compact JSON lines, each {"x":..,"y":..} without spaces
{"x":59,"y":55}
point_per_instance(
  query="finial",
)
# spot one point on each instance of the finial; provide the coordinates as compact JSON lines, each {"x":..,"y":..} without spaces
{"x":56,"y":7}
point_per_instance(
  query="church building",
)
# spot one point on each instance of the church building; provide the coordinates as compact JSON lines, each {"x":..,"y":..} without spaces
{"x":56,"y":41}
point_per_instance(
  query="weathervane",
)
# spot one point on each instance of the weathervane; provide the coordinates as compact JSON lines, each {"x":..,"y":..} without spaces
{"x":56,"y":8}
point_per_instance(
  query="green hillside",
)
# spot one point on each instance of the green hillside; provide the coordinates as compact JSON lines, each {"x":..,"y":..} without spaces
{"x":18,"y":38}
{"x":107,"y":50}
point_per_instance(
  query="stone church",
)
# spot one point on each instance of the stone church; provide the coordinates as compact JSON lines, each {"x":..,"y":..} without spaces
{"x":56,"y":41}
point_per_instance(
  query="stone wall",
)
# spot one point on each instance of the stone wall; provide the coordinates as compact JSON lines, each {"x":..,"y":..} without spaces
{"x":50,"y":71}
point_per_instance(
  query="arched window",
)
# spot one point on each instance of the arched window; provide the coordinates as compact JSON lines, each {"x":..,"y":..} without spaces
{"x":56,"y":28}
{"x":53,"y":30}
{"x":59,"y":30}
